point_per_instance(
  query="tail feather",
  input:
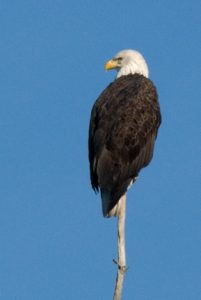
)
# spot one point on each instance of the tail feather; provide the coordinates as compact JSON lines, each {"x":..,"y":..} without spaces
{"x":109,"y":210}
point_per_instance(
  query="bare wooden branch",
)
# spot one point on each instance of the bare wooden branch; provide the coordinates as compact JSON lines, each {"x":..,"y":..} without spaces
{"x":121,"y":250}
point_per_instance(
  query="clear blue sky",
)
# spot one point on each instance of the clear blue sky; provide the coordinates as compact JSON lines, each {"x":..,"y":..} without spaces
{"x":54,"y":242}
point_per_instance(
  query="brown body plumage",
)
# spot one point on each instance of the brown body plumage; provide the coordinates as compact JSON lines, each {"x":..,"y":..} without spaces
{"x":123,"y":128}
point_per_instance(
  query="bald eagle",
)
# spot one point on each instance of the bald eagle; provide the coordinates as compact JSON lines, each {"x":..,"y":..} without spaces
{"x":123,"y":127}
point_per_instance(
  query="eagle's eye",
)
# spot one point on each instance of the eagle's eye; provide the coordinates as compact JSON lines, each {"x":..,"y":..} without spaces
{"x":118,"y":59}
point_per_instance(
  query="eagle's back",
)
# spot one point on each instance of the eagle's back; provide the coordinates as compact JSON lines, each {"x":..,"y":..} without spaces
{"x":123,"y":127}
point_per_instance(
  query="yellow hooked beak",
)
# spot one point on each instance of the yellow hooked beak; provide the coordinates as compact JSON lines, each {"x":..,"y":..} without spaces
{"x":111,"y":64}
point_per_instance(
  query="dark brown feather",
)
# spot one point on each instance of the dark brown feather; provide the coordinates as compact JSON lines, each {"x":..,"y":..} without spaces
{"x":123,"y":127}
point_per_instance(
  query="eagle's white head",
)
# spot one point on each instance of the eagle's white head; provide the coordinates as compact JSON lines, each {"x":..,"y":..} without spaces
{"x":128,"y":62}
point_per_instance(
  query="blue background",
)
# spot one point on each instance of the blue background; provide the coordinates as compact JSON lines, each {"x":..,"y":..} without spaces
{"x":54,"y":242}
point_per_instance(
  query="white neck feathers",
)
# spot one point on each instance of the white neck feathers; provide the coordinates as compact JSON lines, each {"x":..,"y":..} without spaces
{"x":133,"y":68}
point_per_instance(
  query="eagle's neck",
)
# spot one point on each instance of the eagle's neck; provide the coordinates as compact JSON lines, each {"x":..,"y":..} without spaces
{"x":133,"y":68}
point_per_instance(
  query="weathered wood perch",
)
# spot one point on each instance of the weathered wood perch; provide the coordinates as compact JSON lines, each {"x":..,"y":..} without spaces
{"x":121,"y":250}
